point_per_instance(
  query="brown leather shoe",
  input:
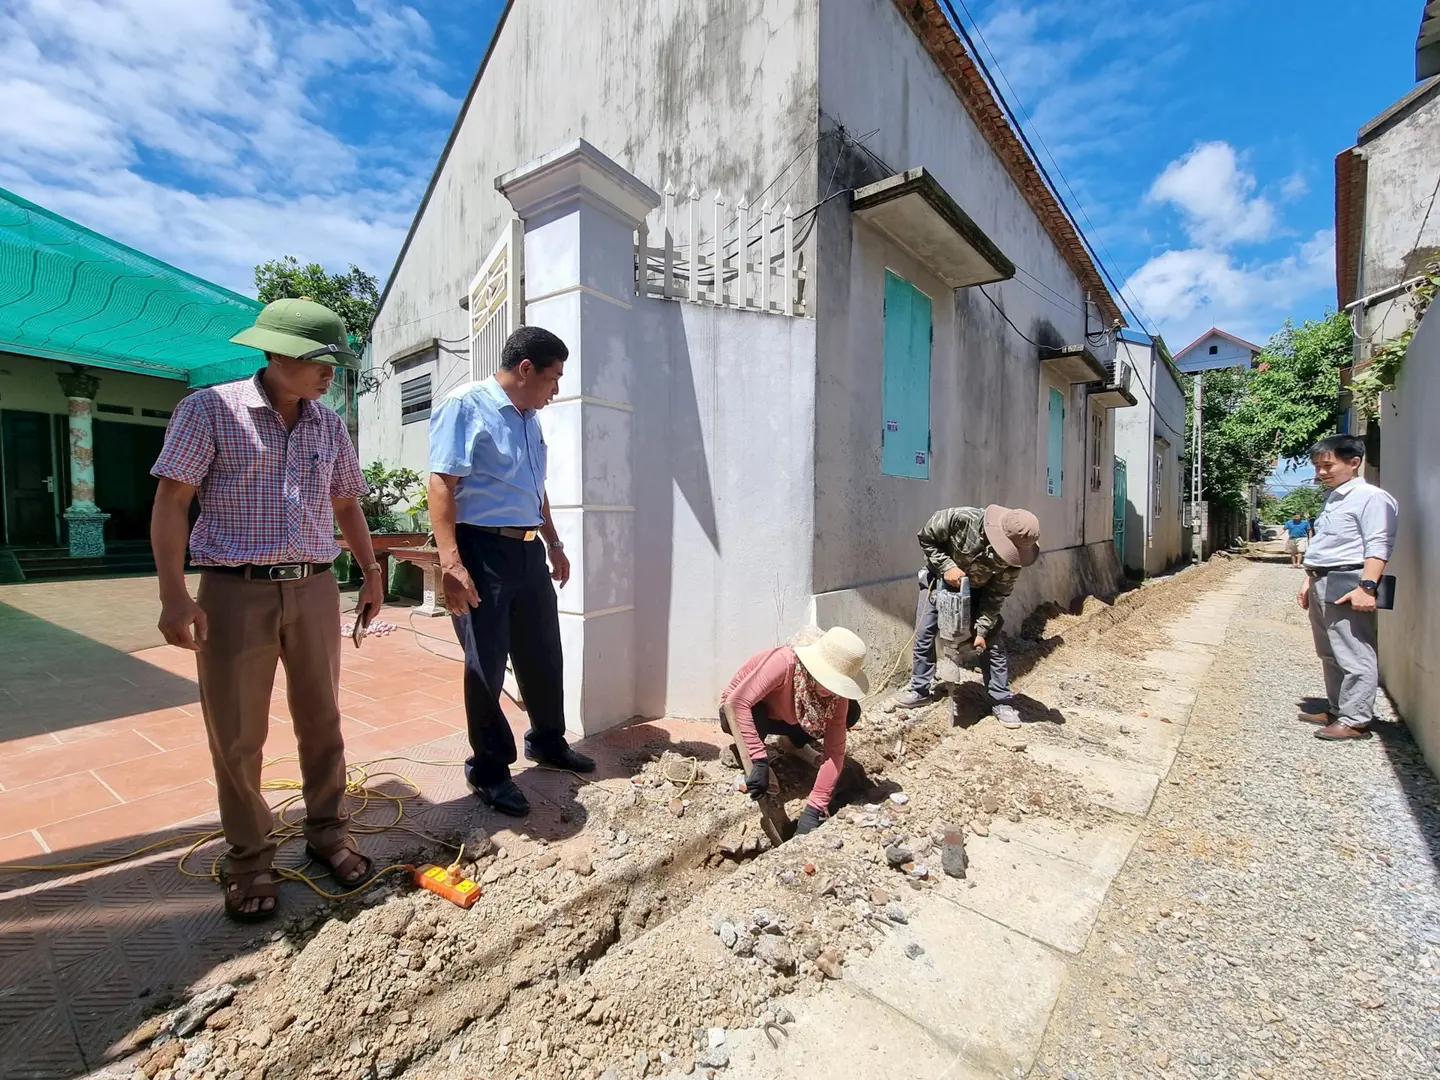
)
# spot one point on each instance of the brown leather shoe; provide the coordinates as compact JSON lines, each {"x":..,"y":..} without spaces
{"x":1338,"y":732}
{"x":1316,"y":718}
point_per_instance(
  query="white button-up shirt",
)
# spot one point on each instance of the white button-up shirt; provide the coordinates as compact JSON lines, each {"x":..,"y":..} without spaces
{"x":1357,"y":523}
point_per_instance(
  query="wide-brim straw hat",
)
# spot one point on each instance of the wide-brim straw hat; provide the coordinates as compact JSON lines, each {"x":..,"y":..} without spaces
{"x":1014,"y":534}
{"x":837,"y":662}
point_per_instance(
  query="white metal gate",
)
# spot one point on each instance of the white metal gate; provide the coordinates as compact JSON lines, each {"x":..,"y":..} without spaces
{"x":497,"y":300}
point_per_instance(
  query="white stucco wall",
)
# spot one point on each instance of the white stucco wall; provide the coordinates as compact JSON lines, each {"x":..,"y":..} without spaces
{"x":1166,"y":544}
{"x":719,"y":93}
{"x":1150,"y":438}
{"x":1410,"y":635}
{"x":29,"y":383}
{"x":724,"y":415}
{"x":988,"y":402}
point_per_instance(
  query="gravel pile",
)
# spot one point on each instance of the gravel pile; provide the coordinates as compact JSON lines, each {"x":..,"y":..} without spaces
{"x":1280,"y":915}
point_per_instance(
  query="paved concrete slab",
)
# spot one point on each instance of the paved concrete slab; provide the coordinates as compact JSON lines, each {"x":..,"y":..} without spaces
{"x":1146,"y":741}
{"x":1127,"y":788}
{"x":1041,"y":895}
{"x":847,"y":1033}
{"x":984,"y":990}
{"x":1200,"y":629}
{"x":1191,"y":663}
{"x":1102,"y":849}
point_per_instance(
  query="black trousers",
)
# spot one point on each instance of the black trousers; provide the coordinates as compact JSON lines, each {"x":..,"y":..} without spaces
{"x":517,"y":617}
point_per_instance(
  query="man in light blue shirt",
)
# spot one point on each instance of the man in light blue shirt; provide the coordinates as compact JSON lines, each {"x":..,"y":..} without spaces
{"x":1344,"y":565}
{"x":1300,"y":530}
{"x":492,"y":524}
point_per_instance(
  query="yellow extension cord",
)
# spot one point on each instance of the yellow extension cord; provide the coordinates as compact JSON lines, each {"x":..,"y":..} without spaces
{"x":357,"y":776}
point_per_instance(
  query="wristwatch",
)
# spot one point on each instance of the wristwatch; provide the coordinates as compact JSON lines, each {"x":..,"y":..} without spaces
{"x":1372,"y":587}
{"x":557,"y":545}
{"x":370,"y":568}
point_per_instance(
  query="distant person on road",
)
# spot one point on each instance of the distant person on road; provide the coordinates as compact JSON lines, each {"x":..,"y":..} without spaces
{"x":989,"y":547}
{"x":1344,"y":564}
{"x":1300,"y":531}
{"x":492,"y":523}
{"x":275,"y":472}
{"x":807,"y":695}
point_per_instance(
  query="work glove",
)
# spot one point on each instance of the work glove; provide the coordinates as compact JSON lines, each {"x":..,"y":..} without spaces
{"x":810,"y":819}
{"x":758,"y":782}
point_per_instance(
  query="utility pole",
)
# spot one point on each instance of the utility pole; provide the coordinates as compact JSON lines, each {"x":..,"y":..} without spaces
{"x":1197,"y":537}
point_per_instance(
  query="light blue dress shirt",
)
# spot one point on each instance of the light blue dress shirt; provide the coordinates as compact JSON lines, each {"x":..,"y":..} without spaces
{"x":1358,"y":522}
{"x":498,"y":452}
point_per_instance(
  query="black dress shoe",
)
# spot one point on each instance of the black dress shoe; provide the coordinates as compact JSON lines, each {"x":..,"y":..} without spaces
{"x":562,"y":757}
{"x":504,"y":797}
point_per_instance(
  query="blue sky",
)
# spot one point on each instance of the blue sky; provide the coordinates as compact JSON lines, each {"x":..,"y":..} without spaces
{"x":1198,"y":137}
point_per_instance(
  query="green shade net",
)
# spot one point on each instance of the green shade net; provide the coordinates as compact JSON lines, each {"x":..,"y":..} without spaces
{"x":70,"y":294}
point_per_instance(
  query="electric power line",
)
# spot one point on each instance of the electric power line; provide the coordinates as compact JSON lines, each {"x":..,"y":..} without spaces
{"x":1040,"y":165}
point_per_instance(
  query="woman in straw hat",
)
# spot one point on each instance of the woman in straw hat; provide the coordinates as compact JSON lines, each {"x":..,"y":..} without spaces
{"x":807,"y":694}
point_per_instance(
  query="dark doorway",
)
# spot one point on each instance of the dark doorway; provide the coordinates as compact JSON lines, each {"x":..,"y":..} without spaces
{"x":124,"y":488}
{"x":29,"y":464}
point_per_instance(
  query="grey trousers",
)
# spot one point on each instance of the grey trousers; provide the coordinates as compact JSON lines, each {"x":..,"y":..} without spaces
{"x":994,"y":661}
{"x":1345,"y":643}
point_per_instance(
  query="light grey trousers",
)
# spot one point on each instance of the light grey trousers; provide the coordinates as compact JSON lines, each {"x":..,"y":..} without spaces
{"x":1345,"y":643}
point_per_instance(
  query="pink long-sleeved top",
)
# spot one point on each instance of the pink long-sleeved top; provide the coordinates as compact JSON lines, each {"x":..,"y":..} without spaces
{"x":769,"y":677}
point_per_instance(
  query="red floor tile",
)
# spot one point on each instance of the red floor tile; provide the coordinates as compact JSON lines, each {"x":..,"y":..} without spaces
{"x":19,"y":847}
{"x":66,"y":759}
{"x":395,"y":710}
{"x":44,"y":804}
{"x":171,"y":734}
{"x":138,"y":819}
{"x":27,"y":743}
{"x":133,"y":780}
{"x":390,"y":740}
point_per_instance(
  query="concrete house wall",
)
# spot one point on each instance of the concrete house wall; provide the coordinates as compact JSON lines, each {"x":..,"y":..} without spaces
{"x":753,"y":439}
{"x":1151,"y":440}
{"x":1228,"y":353}
{"x":989,"y":394}
{"x":1401,"y":150}
{"x":719,"y":93}
{"x":1410,"y":635}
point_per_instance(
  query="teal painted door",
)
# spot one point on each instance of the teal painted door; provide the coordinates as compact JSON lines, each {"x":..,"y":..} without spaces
{"x":1055,"y":445}
{"x":1122,"y":489}
{"x":905,"y":397}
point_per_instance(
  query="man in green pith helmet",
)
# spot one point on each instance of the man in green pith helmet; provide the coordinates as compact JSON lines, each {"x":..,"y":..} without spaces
{"x":275,"y":472}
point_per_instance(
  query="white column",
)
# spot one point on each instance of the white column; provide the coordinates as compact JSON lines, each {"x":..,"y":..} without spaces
{"x":580,"y":211}
{"x":87,"y":523}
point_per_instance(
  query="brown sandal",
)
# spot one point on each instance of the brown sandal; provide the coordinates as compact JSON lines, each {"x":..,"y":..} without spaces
{"x":241,"y":887}
{"x":336,"y":856}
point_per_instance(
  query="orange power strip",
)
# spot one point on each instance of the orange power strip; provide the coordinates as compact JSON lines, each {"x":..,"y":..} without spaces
{"x":449,"y":884}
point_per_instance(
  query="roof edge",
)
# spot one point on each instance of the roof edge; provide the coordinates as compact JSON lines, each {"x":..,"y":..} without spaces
{"x":444,"y":157}
{"x":1225,"y":334}
{"x":940,"y":40}
{"x":10,"y":196}
{"x":1381,"y":123}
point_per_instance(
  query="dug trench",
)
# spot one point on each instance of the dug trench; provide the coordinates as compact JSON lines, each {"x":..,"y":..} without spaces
{"x":622,"y":951}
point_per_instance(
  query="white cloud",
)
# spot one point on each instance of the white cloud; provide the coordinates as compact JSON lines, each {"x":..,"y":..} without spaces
{"x":1216,"y":197}
{"x":1189,"y":290}
{"x":201,"y":130}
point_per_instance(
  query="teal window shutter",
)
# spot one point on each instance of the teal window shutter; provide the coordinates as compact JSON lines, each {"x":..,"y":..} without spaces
{"x":905,"y":394}
{"x":1055,"y":445}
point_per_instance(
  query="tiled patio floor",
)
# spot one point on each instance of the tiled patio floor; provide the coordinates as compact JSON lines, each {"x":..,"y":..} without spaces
{"x":102,"y":752}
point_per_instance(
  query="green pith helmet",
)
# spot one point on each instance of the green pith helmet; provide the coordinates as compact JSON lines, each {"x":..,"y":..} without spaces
{"x":302,"y":329}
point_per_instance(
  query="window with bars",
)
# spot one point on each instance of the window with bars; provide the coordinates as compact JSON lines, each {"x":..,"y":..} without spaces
{"x":415,"y":399}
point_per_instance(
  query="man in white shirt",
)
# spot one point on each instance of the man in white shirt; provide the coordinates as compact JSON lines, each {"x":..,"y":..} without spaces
{"x":1354,"y":537}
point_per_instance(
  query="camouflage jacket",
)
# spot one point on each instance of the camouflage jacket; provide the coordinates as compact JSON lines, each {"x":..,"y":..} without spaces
{"x":956,"y":537}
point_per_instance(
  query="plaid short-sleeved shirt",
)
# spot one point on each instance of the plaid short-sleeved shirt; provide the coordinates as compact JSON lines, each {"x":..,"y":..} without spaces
{"x":264,"y":492}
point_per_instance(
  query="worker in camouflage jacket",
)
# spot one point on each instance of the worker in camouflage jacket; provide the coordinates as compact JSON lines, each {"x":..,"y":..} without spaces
{"x":989,"y":547}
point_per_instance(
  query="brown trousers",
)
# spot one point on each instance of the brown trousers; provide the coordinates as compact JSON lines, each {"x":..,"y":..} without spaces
{"x":253,"y":624}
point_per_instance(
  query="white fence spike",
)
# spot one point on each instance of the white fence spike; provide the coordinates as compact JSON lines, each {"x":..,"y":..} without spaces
{"x":692,"y":244}
{"x":766,"y":246}
{"x":717,"y":243}
{"x":789,"y":280}
{"x":742,"y":254}
{"x":668,"y":283}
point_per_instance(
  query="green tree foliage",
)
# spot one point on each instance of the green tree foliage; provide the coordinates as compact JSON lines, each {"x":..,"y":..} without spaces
{"x":389,"y":489}
{"x":1304,"y":500}
{"x":354,"y":295}
{"x":1274,"y":411}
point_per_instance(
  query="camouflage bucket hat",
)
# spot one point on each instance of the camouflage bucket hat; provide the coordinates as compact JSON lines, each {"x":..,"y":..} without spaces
{"x":301,"y":329}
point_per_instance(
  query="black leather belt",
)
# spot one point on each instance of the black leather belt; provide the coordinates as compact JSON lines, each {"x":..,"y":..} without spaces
{"x":273,"y":571}
{"x":526,"y":535}
{"x":1321,"y":571}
